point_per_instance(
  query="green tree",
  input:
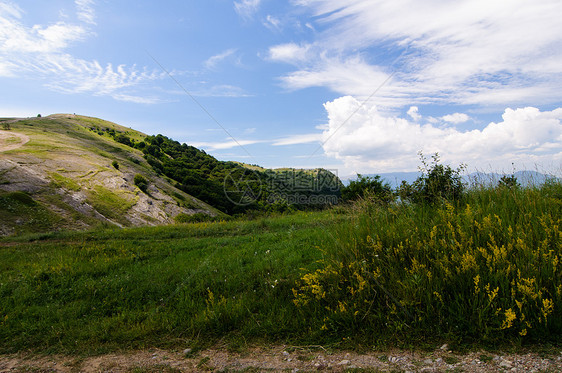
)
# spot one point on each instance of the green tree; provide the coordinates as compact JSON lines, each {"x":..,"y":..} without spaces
{"x":508,"y":181}
{"x":366,"y":186}
{"x":438,"y":182}
{"x":141,"y":182}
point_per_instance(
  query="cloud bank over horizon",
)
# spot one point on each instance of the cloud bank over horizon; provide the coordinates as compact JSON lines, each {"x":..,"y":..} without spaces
{"x":365,"y":138}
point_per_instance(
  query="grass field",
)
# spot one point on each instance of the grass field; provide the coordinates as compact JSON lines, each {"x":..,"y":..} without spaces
{"x":188,"y":284}
{"x":483,"y":270}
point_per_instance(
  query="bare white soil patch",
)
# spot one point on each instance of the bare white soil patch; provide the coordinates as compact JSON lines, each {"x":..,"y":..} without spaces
{"x":12,"y":140}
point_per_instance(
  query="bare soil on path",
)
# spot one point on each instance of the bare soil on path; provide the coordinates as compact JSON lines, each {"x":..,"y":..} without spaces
{"x":284,"y":358}
{"x":12,"y":140}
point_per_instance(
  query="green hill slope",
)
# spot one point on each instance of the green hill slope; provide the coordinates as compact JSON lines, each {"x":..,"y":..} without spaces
{"x":74,"y":172}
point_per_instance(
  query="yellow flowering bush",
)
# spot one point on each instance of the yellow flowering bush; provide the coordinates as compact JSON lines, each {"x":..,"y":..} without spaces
{"x":484,"y":268}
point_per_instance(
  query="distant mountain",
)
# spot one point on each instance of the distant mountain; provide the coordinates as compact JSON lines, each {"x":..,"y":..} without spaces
{"x":524,"y":178}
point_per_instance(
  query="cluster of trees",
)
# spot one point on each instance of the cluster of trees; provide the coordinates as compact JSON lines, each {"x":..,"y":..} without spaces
{"x":231,"y":187}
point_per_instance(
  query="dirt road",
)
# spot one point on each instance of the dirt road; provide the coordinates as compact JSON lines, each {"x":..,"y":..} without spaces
{"x":284,"y":358}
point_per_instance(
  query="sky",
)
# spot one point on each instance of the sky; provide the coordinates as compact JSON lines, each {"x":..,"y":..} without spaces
{"x":354,"y":86}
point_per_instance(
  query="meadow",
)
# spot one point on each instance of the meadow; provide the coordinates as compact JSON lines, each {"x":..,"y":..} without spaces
{"x":482,"y":269}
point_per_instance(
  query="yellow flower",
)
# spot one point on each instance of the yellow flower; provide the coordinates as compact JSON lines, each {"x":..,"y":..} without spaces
{"x":476,"y":282}
{"x":510,"y":317}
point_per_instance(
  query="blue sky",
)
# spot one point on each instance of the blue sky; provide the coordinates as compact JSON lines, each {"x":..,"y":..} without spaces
{"x":350,"y":85}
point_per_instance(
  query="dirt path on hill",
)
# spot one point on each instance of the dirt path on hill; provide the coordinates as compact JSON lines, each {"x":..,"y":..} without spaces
{"x":284,"y":358}
{"x":12,"y":140}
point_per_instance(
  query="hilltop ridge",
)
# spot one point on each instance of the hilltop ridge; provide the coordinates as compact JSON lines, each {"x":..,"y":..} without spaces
{"x":68,"y":171}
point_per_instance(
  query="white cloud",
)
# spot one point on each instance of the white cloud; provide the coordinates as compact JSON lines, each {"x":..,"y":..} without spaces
{"x":38,"y":52}
{"x":413,"y":113}
{"x":371,"y":140}
{"x":228,"y":144}
{"x":272,"y":23}
{"x":456,"y":118}
{"x":213,"y":61}
{"x":298,"y":139}
{"x":85,"y":11}
{"x":289,"y":53}
{"x":464,"y":52}
{"x":352,"y":76}
{"x":246,"y":8}
{"x":223,"y":90}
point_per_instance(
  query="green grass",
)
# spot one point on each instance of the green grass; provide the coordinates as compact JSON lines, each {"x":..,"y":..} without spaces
{"x":20,"y":211}
{"x":111,"y":204}
{"x":163,"y":286}
{"x":484,"y":270}
{"x":64,"y":182}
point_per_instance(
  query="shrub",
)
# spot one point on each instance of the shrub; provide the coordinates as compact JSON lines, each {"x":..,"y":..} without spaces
{"x":487,"y":270}
{"x":141,"y":182}
{"x":508,"y":181}
{"x":436,"y":184}
{"x":6,"y":126}
{"x":367,"y":186}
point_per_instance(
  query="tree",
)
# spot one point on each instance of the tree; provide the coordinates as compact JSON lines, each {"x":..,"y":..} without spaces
{"x":437,"y":182}
{"x":366,"y":186}
{"x":508,"y":181}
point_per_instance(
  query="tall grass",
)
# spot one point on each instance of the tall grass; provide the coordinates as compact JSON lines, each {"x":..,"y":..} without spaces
{"x":484,"y":269}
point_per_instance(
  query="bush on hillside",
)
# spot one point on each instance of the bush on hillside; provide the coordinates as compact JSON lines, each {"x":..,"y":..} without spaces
{"x":437,"y":183}
{"x":141,"y":182}
{"x":366,"y":186}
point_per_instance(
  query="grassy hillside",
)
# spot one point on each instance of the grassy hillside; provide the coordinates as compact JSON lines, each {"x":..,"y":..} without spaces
{"x":81,"y":171}
{"x":484,"y":269}
{"x":75,"y":173}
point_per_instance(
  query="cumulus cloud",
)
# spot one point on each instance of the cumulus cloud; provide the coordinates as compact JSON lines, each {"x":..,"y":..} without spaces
{"x":289,"y":53}
{"x":413,"y":113}
{"x":455,"y":118}
{"x":371,"y":140}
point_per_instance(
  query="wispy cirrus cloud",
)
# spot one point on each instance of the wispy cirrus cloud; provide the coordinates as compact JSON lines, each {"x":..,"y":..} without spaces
{"x":227,"y":144}
{"x":246,"y":8}
{"x":39,"y":52}
{"x":213,"y":61}
{"x":298,"y":139}
{"x":85,"y":11}
{"x":466,"y":52}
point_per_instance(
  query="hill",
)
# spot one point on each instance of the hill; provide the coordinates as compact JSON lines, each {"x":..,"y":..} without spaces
{"x":75,"y":172}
